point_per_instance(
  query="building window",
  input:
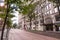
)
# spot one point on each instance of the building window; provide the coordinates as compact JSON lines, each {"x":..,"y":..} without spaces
{"x":47,"y":7}
{"x":45,"y":13}
{"x":35,"y":11}
{"x":47,"y":2}
{"x":0,"y":18}
{"x":57,"y":18}
{"x":43,"y":10}
{"x":55,"y":9}
{"x":41,"y":21}
{"x":50,"y":5}
{"x":50,"y":11}
{"x":59,"y":7}
{"x":43,"y":1}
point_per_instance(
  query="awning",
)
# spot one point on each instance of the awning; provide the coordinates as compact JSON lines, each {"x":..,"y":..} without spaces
{"x":57,"y":23}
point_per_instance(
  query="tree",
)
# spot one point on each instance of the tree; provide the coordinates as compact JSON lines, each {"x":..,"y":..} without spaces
{"x":8,"y":10}
{"x":6,"y":16}
{"x":14,"y":25}
{"x":30,"y":13}
{"x":18,"y":4}
{"x":8,"y":22}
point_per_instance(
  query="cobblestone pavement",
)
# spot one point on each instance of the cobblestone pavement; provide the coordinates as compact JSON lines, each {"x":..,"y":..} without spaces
{"x":17,"y":34}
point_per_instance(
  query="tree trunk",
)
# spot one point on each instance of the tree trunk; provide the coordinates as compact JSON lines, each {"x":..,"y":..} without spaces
{"x":7,"y":33}
{"x":35,"y":23}
{"x":4,"y":26}
{"x":30,"y":23}
{"x":5,"y":21}
{"x":24,"y":24}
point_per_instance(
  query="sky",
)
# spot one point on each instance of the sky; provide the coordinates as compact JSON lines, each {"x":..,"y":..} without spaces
{"x":1,"y":2}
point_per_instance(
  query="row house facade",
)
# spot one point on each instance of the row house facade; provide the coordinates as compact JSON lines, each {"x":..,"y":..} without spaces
{"x":50,"y":15}
{"x":46,"y":17}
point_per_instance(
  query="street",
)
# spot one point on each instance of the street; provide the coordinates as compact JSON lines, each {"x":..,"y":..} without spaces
{"x":17,"y":34}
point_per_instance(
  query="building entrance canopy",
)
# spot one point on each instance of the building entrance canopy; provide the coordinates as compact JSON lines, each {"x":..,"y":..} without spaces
{"x":57,"y":23}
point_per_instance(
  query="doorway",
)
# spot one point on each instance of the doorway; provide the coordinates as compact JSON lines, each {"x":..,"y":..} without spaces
{"x":57,"y":28}
{"x":49,"y":27}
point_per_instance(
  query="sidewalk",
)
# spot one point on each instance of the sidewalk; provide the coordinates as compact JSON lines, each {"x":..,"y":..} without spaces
{"x":47,"y":33}
{"x":57,"y":32}
{"x":4,"y":36}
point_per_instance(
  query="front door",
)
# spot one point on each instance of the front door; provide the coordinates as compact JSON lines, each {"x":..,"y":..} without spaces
{"x":49,"y":27}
